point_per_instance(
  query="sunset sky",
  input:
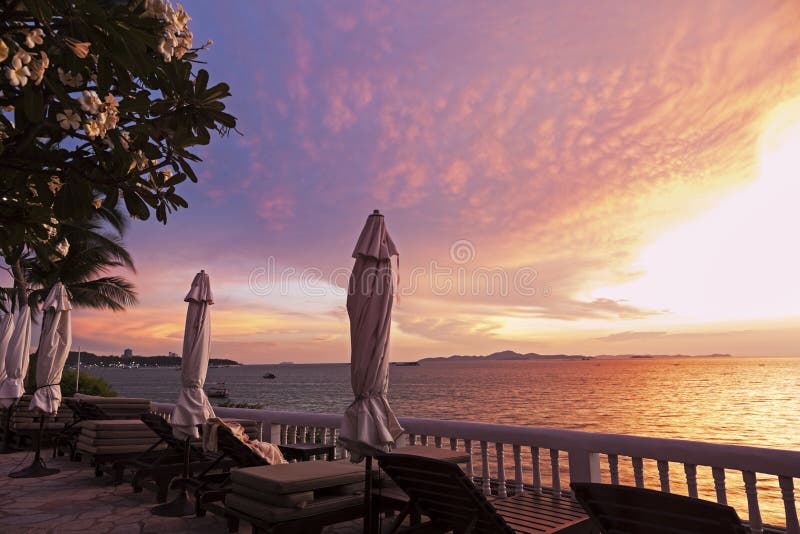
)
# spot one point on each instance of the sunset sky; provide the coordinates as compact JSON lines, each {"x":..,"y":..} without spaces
{"x":599,"y":178}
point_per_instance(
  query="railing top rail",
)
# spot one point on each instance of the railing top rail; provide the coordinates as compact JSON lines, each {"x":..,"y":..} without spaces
{"x":738,"y":457}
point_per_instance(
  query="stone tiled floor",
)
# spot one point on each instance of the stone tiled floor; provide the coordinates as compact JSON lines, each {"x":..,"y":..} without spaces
{"x":74,"y":501}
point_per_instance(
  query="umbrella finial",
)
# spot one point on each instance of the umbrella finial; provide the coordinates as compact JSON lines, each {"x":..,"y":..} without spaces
{"x":376,"y":212}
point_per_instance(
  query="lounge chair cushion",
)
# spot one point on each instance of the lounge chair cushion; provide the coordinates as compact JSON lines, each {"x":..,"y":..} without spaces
{"x":116,"y":449}
{"x":115,"y":424}
{"x":117,"y":434}
{"x":290,"y":500}
{"x":300,"y":476}
{"x":102,"y":442}
{"x":278,"y":514}
{"x":433,"y":453}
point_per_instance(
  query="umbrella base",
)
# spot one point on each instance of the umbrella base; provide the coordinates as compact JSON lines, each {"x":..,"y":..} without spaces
{"x":180,"y":506}
{"x":37,"y":469}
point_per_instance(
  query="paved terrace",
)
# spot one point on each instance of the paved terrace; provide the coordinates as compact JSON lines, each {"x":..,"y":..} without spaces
{"x":74,"y":500}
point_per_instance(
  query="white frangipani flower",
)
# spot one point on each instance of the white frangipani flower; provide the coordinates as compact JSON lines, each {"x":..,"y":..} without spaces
{"x":34,"y":37}
{"x":69,"y":79}
{"x":92,"y":128}
{"x":18,"y":74}
{"x":68,"y":119}
{"x":90,"y":102}
{"x":3,"y":50}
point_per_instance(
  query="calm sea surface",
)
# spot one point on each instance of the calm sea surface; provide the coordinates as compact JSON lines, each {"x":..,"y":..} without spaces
{"x":753,"y":401}
{"x":749,"y":401}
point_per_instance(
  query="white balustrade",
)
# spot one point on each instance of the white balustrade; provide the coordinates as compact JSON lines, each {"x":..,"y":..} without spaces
{"x":581,"y":448}
{"x":613,"y":468}
{"x":519,"y":488}
{"x":487,"y":481}
{"x":537,"y":472}
{"x":663,"y":475}
{"x":502,"y":492}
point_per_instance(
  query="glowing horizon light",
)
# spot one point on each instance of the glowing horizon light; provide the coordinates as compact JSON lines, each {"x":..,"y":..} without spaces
{"x":739,"y":259}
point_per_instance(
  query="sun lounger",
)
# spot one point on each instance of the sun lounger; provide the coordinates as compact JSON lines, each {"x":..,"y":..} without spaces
{"x":107,"y":442}
{"x":297,"y":497}
{"x":632,"y":510}
{"x":439,"y":490}
{"x":117,"y":407}
{"x":162,"y":466}
{"x":25,"y":423}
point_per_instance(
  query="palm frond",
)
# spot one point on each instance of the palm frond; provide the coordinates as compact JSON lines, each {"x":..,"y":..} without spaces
{"x":112,"y":293}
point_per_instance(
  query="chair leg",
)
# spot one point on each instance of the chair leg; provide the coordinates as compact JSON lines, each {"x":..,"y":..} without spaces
{"x":233,"y":523}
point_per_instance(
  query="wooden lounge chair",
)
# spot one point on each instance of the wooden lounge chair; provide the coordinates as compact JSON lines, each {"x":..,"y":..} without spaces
{"x":628,"y":510}
{"x":439,"y":490}
{"x":212,"y":487}
{"x":161,"y":467}
{"x":69,"y":435}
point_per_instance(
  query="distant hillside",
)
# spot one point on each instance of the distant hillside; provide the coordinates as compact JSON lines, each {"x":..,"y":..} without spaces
{"x":510,"y":355}
{"x":89,"y":359}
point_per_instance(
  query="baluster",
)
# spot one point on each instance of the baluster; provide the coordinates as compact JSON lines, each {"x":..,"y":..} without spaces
{"x":719,"y":484}
{"x":324,"y":435}
{"x":638,"y":471}
{"x":487,"y":483}
{"x":284,"y":437}
{"x":752,"y":502}
{"x":424,"y":439}
{"x":412,"y":438}
{"x":453,"y":444}
{"x":556,"y":473}
{"x":438,"y":442}
{"x":613,"y":468}
{"x":501,"y":471}
{"x":537,"y":474}
{"x":787,"y":492}
{"x":518,"y":483}
{"x":663,"y":475}
{"x":691,"y":479}
{"x":470,"y":469}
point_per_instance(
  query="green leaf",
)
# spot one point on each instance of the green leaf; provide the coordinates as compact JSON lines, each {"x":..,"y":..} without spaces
{"x":33,"y":103}
{"x":136,"y":206}
{"x":73,"y":200}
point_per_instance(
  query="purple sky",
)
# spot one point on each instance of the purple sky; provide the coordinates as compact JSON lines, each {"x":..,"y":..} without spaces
{"x":563,"y":139}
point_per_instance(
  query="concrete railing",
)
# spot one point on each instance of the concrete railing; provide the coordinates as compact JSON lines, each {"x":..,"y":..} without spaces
{"x":589,"y":457}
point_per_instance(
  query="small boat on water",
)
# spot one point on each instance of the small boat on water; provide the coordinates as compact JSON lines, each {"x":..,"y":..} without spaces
{"x":269,"y":375}
{"x":217,"y":391}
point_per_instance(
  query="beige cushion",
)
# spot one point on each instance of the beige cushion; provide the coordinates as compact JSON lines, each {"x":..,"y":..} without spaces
{"x":300,"y":476}
{"x":115,"y":441}
{"x":434,"y":453}
{"x":35,"y":426}
{"x":113,"y":434}
{"x":116,"y":449}
{"x":115,"y":424}
{"x":278,"y":514}
{"x":291,"y":500}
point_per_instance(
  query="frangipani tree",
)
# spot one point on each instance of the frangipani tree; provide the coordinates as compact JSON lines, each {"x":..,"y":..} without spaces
{"x":101,"y":104}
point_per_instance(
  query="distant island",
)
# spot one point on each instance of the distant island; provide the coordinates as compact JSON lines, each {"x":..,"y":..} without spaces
{"x":510,"y":355}
{"x":93,"y":360}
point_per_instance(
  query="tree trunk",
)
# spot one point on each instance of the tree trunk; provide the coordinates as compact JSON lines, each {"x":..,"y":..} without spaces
{"x":20,"y":284}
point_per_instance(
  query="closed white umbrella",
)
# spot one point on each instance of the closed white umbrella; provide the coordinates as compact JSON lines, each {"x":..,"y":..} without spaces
{"x":17,"y":358}
{"x":51,"y":355}
{"x":6,"y":329}
{"x":369,"y":422}
{"x":193,"y":407}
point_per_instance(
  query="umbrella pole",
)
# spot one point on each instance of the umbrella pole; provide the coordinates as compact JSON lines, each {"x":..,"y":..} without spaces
{"x":182,"y":504}
{"x":37,"y":468}
{"x":7,"y":429}
{"x":368,"y":519}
